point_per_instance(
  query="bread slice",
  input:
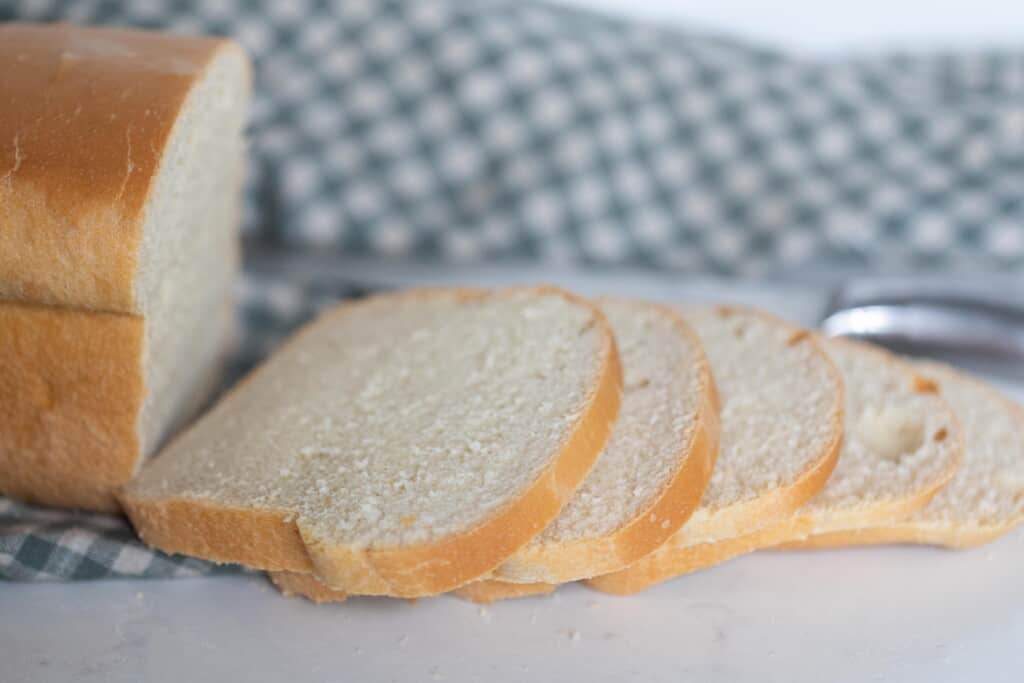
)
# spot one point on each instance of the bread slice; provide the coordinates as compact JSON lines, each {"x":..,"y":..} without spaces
{"x":651,"y":476}
{"x":402,"y":445}
{"x":901,"y":445}
{"x":782,"y":418}
{"x":121,"y":156}
{"x":985,"y":498}
{"x":646,"y":482}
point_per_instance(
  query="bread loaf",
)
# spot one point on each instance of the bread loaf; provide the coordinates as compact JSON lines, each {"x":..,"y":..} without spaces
{"x":120,"y":165}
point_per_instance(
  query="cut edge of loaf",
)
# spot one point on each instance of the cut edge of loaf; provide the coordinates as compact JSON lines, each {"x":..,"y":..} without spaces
{"x":272,"y":540}
{"x":195,"y":242}
{"x":665,"y":513}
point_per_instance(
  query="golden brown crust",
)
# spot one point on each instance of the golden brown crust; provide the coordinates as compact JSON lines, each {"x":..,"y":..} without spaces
{"x":306,"y":586}
{"x":486,"y":592}
{"x":669,"y":510}
{"x":670,"y":561}
{"x":653,"y":570}
{"x":87,"y":114}
{"x":949,"y":536}
{"x":71,"y":386}
{"x":481,"y":592}
{"x":204,"y":530}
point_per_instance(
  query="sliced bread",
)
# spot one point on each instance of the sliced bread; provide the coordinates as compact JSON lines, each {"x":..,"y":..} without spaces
{"x":403,"y":445}
{"x":901,"y":444}
{"x":781,"y":430}
{"x":121,"y":160}
{"x":649,"y":478}
{"x":985,"y":498}
{"x":652,"y":475}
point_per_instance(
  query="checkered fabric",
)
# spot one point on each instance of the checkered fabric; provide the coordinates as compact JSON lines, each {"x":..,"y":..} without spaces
{"x":40,"y":544}
{"x":499,"y":129}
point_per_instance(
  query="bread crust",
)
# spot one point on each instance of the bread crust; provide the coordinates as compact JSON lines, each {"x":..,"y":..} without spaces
{"x":86,"y":119}
{"x":87,"y":116}
{"x":671,"y":561}
{"x":487,"y":592}
{"x":727,"y":532}
{"x":71,"y":387}
{"x":667,"y":511}
{"x":305,"y":585}
{"x":274,"y":540}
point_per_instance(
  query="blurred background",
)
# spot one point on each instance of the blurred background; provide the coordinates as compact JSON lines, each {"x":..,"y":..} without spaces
{"x":730,"y":138}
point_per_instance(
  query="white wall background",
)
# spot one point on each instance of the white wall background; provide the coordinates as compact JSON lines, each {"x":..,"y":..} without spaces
{"x":831,"y":28}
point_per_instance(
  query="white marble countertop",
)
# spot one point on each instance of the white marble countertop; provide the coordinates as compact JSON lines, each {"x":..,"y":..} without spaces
{"x":887,"y":614}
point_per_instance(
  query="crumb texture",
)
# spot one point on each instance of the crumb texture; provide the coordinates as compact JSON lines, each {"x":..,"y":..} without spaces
{"x":188,"y":253}
{"x":780,"y":401}
{"x":398,"y":420}
{"x":988,"y":490}
{"x":662,"y":387}
{"x":896,"y":439}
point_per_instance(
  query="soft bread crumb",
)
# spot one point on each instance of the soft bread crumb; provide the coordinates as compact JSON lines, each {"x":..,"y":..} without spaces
{"x":885,"y":456}
{"x":659,"y":409}
{"x":988,"y":490}
{"x":188,"y":250}
{"x":779,"y":400}
{"x":360,"y":409}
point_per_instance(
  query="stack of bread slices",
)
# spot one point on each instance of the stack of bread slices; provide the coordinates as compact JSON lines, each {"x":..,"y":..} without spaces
{"x":498,"y":443}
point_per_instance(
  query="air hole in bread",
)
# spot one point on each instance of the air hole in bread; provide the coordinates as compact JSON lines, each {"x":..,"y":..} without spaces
{"x":941,"y":435}
{"x":891,"y":432}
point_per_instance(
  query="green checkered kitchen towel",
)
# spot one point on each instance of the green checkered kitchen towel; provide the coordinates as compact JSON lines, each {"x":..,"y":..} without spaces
{"x":42,"y":544}
{"x":477,"y":130}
